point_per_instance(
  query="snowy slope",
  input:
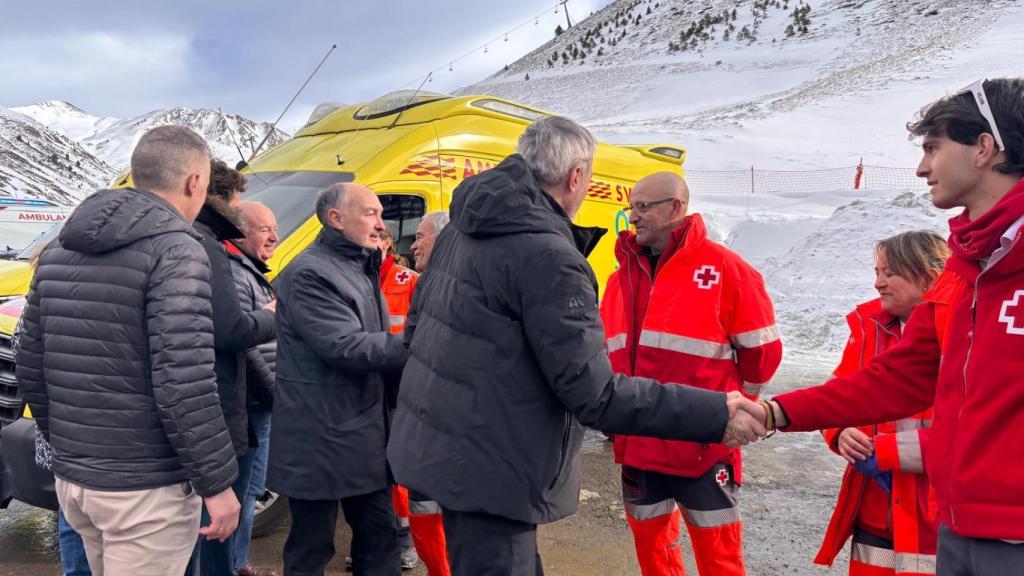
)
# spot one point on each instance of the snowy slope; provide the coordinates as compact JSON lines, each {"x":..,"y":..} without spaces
{"x":841,"y":91}
{"x":37,"y":162}
{"x":113,"y":140}
{"x":66,"y":118}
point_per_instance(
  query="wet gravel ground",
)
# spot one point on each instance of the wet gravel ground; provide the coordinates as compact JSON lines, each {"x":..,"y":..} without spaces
{"x":790,"y":482}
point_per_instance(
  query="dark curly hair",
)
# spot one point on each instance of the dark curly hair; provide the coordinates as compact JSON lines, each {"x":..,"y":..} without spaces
{"x":224,"y":180}
{"x":959,"y":118}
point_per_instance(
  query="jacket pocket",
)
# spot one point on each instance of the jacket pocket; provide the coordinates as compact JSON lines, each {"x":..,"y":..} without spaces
{"x":563,"y":454}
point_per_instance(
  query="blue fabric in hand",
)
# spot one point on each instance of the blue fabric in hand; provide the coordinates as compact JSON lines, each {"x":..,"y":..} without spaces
{"x":870,"y":469}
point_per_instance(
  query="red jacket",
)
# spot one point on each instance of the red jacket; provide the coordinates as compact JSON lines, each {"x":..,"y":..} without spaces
{"x":705,"y":320}
{"x":976,"y":380}
{"x":907,"y":514}
{"x":397,"y":283}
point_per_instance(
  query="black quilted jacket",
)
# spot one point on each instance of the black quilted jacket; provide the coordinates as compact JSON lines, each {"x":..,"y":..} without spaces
{"x":116,"y":353}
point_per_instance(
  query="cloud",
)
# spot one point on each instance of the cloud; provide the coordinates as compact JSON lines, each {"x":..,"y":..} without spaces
{"x":94,"y":69}
{"x":251,"y":58}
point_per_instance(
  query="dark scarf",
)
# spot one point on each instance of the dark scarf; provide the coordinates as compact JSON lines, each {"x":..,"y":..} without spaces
{"x":977,"y":239}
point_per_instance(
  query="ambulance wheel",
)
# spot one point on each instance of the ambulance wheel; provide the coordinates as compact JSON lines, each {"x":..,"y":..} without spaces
{"x":271,"y":511}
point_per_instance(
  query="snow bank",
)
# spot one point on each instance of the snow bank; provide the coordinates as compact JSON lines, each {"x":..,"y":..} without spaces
{"x":830,"y":270}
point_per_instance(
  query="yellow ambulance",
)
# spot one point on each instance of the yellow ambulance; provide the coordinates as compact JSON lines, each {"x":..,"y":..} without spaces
{"x":413,"y":149}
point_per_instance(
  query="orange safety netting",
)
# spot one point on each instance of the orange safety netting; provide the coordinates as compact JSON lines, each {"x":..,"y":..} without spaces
{"x":754,"y":181}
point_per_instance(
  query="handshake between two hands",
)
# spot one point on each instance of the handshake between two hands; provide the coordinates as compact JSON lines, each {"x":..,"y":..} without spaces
{"x":747,"y":421}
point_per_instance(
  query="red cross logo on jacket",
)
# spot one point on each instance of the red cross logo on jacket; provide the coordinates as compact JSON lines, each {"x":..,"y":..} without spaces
{"x":403,"y":277}
{"x":706,"y":277}
{"x":722,"y":477}
{"x":1012,"y":310}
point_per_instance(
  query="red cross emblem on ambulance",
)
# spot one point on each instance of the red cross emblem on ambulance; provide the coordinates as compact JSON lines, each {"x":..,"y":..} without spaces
{"x":706,"y":277}
{"x":722,"y":477}
{"x":403,"y":277}
{"x":1012,"y":314}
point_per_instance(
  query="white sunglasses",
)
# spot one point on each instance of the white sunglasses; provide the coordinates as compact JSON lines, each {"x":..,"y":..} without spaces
{"x":977,"y":89}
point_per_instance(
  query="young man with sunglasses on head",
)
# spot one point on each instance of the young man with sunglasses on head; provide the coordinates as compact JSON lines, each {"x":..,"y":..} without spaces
{"x":682,"y":308}
{"x":963,"y":348}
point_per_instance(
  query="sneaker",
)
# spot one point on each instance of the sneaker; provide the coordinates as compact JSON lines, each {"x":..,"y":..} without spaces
{"x":410,"y":559}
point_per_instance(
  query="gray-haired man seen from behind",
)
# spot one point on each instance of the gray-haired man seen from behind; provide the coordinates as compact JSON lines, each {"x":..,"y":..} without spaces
{"x":507,"y":360}
{"x":124,"y":387}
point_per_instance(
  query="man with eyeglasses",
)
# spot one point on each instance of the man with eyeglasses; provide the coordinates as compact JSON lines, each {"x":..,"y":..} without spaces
{"x":682,"y":308}
{"x":963,"y":348}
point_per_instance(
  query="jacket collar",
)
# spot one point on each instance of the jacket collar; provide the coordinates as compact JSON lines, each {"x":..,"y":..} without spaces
{"x":872,"y":311}
{"x":336,"y":242}
{"x":585,"y":238}
{"x":687,"y":237}
{"x":213,"y":223}
{"x":247,"y":260}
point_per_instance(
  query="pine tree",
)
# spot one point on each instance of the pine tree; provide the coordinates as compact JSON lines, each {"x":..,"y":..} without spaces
{"x":558,"y":30}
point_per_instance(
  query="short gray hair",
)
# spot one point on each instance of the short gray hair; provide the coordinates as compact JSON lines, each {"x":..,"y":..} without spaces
{"x":553,"y":146}
{"x":438,"y":220}
{"x":331,"y":197}
{"x":164,"y":155}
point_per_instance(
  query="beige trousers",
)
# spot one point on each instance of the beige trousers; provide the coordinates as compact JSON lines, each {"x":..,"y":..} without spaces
{"x":136,"y":533}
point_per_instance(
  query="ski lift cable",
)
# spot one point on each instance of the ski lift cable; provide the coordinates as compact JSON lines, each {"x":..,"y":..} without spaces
{"x":499,"y":38}
{"x":421,"y":81}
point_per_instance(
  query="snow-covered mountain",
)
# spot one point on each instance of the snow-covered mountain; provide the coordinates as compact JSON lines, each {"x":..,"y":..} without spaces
{"x":772,"y":83}
{"x":38,"y":162}
{"x":113,"y":140}
{"x":66,"y":118}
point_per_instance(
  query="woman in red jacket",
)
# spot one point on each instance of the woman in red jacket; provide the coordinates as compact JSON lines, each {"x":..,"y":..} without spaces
{"x":885,"y":502}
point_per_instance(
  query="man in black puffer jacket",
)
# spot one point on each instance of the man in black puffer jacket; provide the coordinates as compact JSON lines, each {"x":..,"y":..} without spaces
{"x":507,"y":359}
{"x":116,"y":360}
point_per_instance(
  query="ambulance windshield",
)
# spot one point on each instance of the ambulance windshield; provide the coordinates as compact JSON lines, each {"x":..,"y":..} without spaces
{"x":291,"y":196}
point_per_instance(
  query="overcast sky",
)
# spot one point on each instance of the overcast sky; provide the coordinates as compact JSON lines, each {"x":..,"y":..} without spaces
{"x":125,"y":57}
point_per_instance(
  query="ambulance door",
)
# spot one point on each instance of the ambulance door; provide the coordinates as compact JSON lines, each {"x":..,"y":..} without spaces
{"x":604,"y":208}
{"x":404,"y":204}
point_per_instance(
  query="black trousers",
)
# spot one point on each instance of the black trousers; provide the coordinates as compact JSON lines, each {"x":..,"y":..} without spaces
{"x":310,"y":544}
{"x":485,"y":545}
{"x":960,"y":556}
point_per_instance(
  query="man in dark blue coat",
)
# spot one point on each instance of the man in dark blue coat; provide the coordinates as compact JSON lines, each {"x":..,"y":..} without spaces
{"x":328,"y":441}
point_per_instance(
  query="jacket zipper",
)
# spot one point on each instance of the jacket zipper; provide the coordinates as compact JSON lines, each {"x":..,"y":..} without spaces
{"x":963,"y":401}
{"x":637,"y":322}
{"x":565,"y":450}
